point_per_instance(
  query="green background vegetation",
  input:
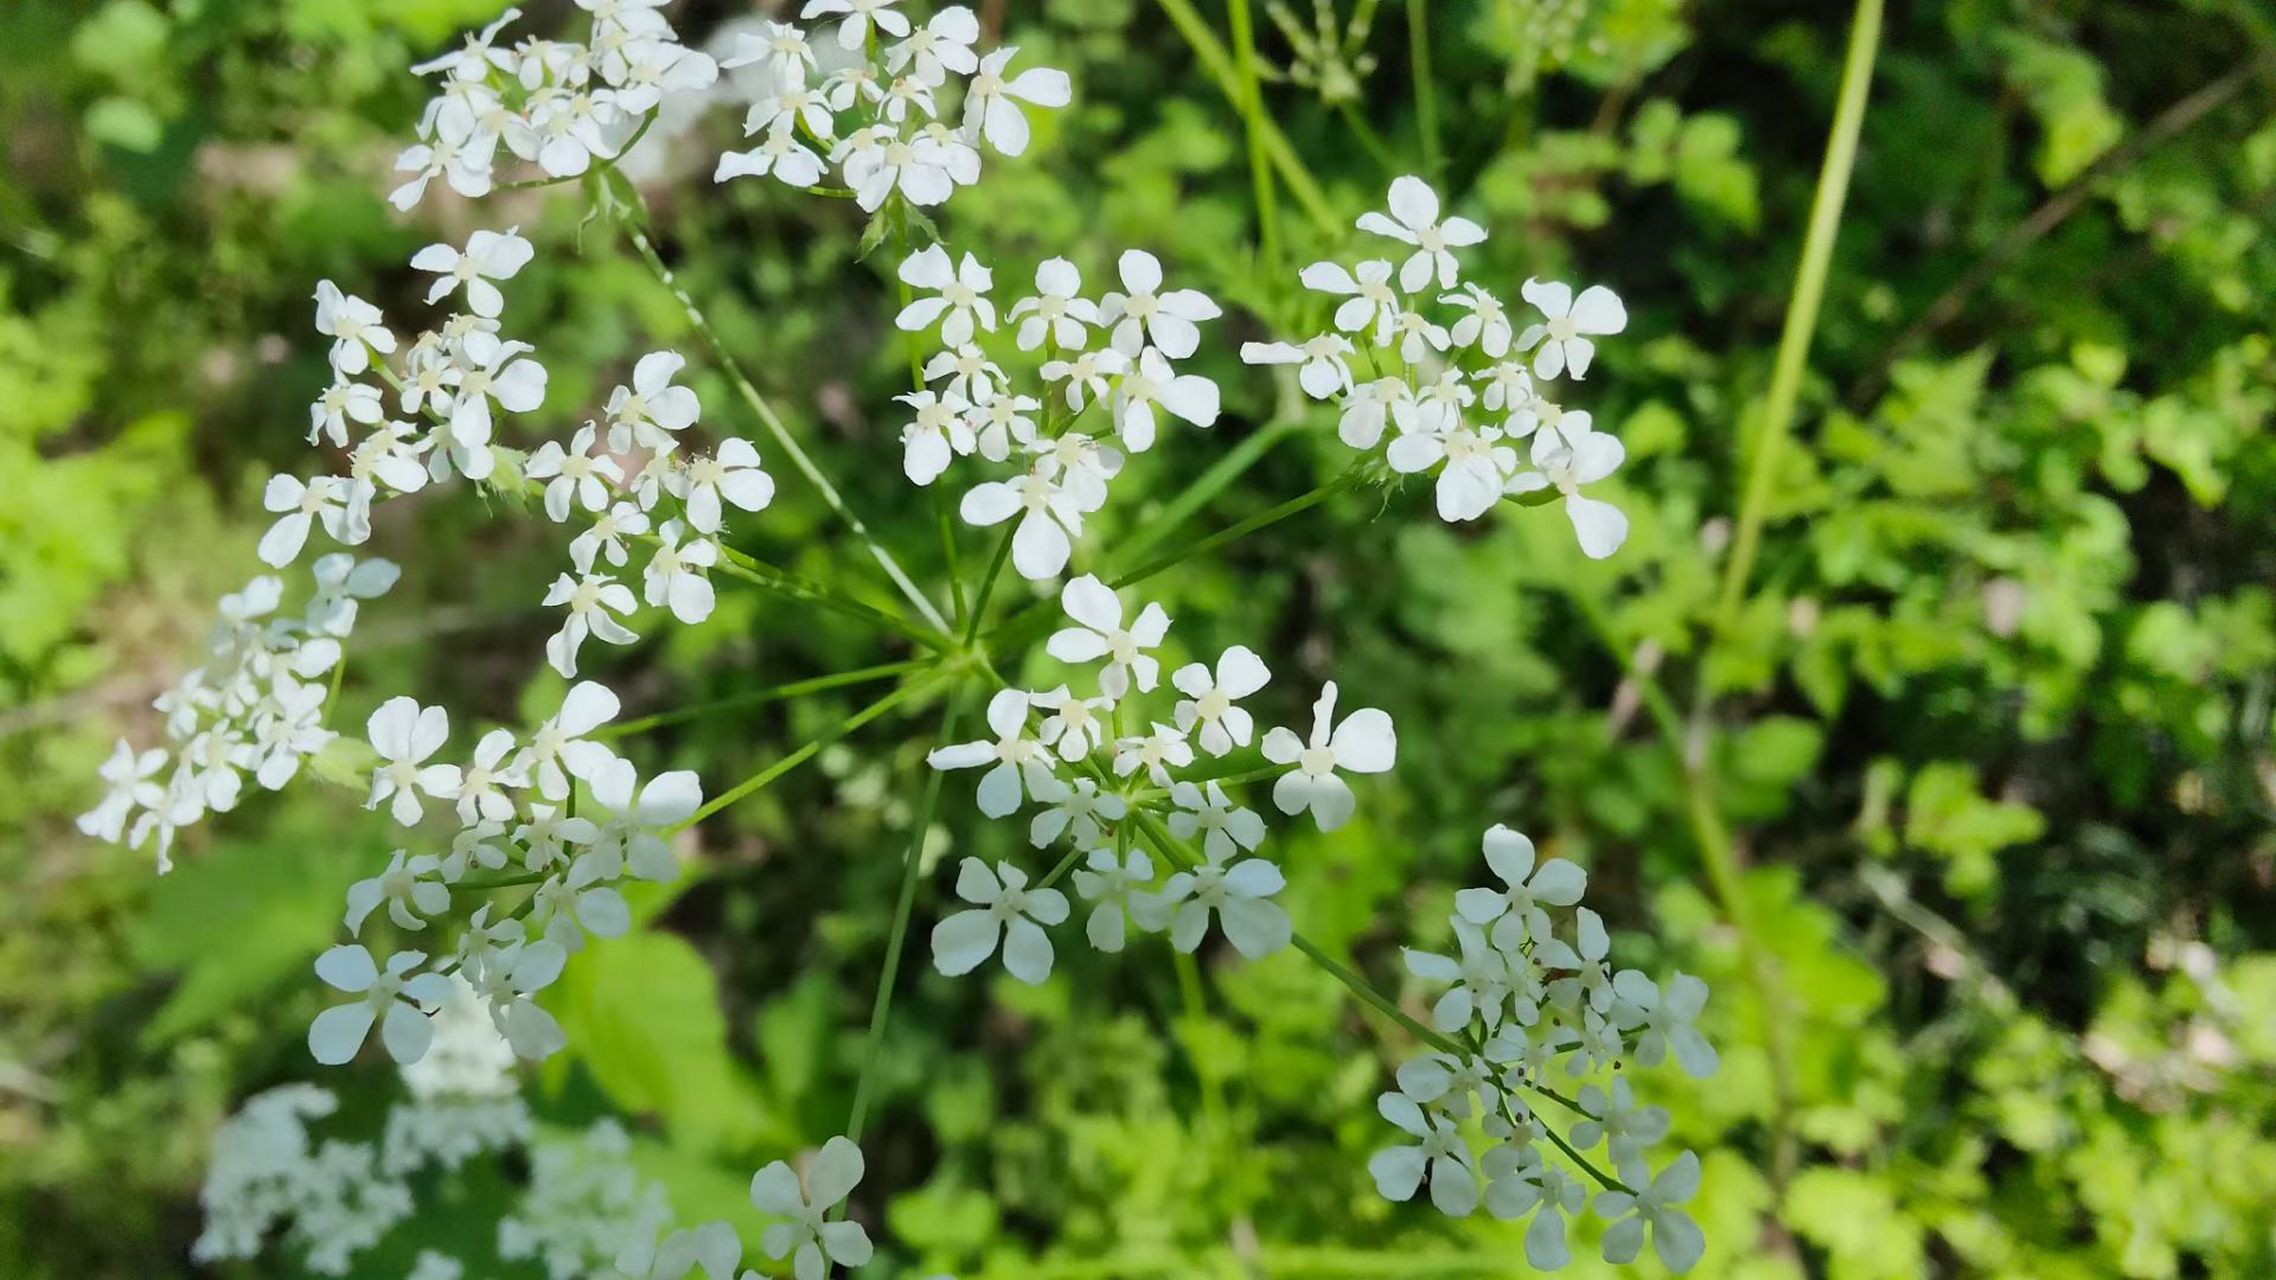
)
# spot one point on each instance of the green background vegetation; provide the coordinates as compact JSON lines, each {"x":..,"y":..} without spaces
{"x":1962,"y":806}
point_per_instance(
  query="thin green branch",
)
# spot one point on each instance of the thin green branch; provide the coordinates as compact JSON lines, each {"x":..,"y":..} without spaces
{"x":1254,"y":122}
{"x":767,"y":776}
{"x":741,"y":565}
{"x":1426,"y":86}
{"x":760,"y":697}
{"x":1219,"y":63}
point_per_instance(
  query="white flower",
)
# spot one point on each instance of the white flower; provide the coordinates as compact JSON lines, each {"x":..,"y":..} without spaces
{"x":1088,"y":372}
{"x":1476,"y":467}
{"x":1079,"y":465}
{"x":1666,"y":1018}
{"x":606,"y":534}
{"x":1209,"y":700}
{"x":1078,"y":811}
{"x":546,"y":837}
{"x":576,"y":472}
{"x":1240,"y":893}
{"x":474,"y":846}
{"x":477,"y":56}
{"x":1486,"y":326}
{"x":1018,"y":759}
{"x":532,"y":1032}
{"x":1419,"y":335}
{"x":1568,"y":325}
{"x":1675,"y":1237}
{"x":1481,"y":980}
{"x":1186,"y":395}
{"x":633,"y":837}
{"x":1364,"y":743}
{"x":573,"y":905}
{"x":132,"y":785}
{"x":1590,"y":979}
{"x":714,"y":1246}
{"x":974,"y":377}
{"x":960,"y":294}
{"x":517,"y":385}
{"x":354,"y":326}
{"x":1324,"y":370}
{"x":852,"y":34}
{"x":938,"y":47}
{"x":782,"y":155}
{"x":450,"y":154}
{"x":489,"y":255}
{"x":919,"y":168}
{"x":646,"y":413}
{"x":648,"y":70}
{"x":1515,"y":909}
{"x":563,"y":129}
{"x":321,"y":498}
{"x":1368,"y":302}
{"x":1451,"y":1084}
{"x":1157,"y":753}
{"x":1169,"y":320}
{"x":836,"y":1170}
{"x":778,"y":49}
{"x":733,"y":474}
{"x":1073,"y":726}
{"x":482,"y":788}
{"x":1615,"y":1120}
{"x":1048,"y":520}
{"x":1224,"y":827}
{"x":676,"y":574}
{"x":1439,"y":1152}
{"x":1370,"y":406}
{"x":594,"y":600}
{"x":990,"y":109}
{"x":937,"y":434}
{"x":1093,"y":605}
{"x":406,"y":890}
{"x":403,"y":735}
{"x":1057,"y":312}
{"x":1113,"y":886}
{"x":1005,"y":911}
{"x":341,"y":581}
{"x":339,"y":1031}
{"x":1600,"y":526}
{"x":1415,"y":207}
{"x":1521,"y":1182}
{"x":340,"y":404}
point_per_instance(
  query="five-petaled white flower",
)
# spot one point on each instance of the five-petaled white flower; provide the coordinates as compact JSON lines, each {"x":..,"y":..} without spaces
{"x":935,"y":436}
{"x":852,"y":34}
{"x":1005,"y":910}
{"x":1170,"y":321}
{"x":940,"y":46}
{"x":518,"y":385}
{"x":1515,"y":909}
{"x":1369,"y":303}
{"x":388,"y":997}
{"x":1439,"y":1152}
{"x":1666,"y":1017}
{"x":991,"y":108}
{"x":1675,"y":1237}
{"x":676,"y":574}
{"x":1224,"y":827}
{"x":576,"y":472}
{"x":1048,"y":519}
{"x":342,"y":403}
{"x":835,"y":1171}
{"x":1072,"y":726}
{"x":1363,"y":743}
{"x":651,"y":409}
{"x":404,"y":735}
{"x":1209,"y":699}
{"x":405,"y":888}
{"x":1414,"y":220}
{"x":1241,"y":895}
{"x":781,"y":155}
{"x":960,"y":302}
{"x":1101,"y":634}
{"x":489,"y":255}
{"x":1324,"y":369}
{"x":321,"y":498}
{"x":1057,"y":312}
{"x":732,"y":474}
{"x":1078,"y":811}
{"x":1153,"y":382}
{"x":1115,"y":885}
{"x":1600,"y":526}
{"x":594,"y":600}
{"x":355,"y":327}
{"x":133,"y":785}
{"x":1020,"y":765}
{"x":1480,"y":978}
{"x":1568,"y":324}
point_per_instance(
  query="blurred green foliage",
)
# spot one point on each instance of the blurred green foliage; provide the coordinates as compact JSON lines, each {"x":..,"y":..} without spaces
{"x":1992,"y":726}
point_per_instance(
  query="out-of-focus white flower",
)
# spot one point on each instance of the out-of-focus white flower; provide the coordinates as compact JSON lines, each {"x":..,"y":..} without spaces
{"x":1675,"y":1237}
{"x":854,"y":31}
{"x":1114,"y":886}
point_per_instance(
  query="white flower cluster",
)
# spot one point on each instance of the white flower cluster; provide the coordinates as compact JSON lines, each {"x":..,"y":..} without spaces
{"x":512,"y":805}
{"x":256,"y":705}
{"x":879,"y":113}
{"x":1137,"y":331}
{"x":1523,"y":1013}
{"x":558,"y":105}
{"x":333,"y":1201}
{"x":1447,"y":374}
{"x":1103,"y":774}
{"x":585,"y":1205}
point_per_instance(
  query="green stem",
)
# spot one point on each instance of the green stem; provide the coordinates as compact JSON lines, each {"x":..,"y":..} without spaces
{"x":912,"y":872}
{"x":1802,"y":305}
{"x":1254,"y":121}
{"x":737,"y":564}
{"x":332,"y":694}
{"x":485,"y":885}
{"x":1230,"y":466}
{"x":1426,"y":88}
{"x":782,"y":437}
{"x":760,"y":697}
{"x":1219,"y":63}
{"x":764,"y":777}
{"x":988,"y":586}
